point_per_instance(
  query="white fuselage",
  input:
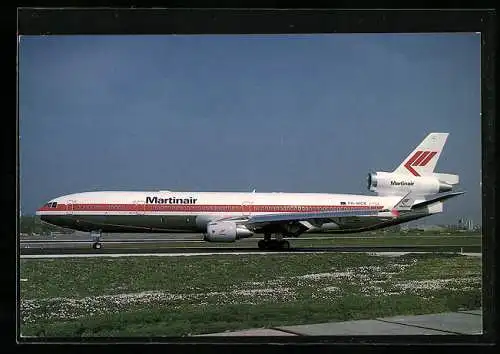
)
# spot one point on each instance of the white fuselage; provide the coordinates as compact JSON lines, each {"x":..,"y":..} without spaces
{"x":165,"y":211}
{"x":220,"y":204}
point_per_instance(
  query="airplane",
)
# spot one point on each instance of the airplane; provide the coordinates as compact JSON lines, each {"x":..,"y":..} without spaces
{"x":410,"y":192}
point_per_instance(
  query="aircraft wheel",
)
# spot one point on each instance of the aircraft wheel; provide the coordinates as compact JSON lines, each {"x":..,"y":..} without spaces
{"x":274,"y":245}
{"x":96,"y":237}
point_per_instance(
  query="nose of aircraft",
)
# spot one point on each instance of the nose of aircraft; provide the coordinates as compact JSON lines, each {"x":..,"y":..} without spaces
{"x":41,"y":211}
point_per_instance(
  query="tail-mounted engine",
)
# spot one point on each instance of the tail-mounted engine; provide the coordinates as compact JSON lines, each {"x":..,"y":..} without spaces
{"x":226,"y":231}
{"x":386,"y":183}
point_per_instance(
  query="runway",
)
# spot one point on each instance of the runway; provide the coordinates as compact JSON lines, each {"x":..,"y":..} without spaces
{"x":135,"y":244}
{"x":199,"y":239}
{"x":109,"y":250}
{"x":120,"y":255}
{"x":161,"y":254}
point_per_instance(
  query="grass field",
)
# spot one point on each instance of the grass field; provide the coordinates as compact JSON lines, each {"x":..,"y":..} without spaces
{"x":179,"y":296}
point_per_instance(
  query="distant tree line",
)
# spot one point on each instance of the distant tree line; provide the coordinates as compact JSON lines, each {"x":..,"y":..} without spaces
{"x":443,"y":231}
{"x":31,"y":224}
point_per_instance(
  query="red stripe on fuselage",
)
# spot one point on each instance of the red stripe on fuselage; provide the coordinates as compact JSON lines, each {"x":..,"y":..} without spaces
{"x":206,"y":208}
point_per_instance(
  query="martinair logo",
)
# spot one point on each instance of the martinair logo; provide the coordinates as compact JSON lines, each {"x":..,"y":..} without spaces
{"x":157,"y":200}
{"x":405,"y":202}
{"x":420,"y":158}
{"x":402,"y":183}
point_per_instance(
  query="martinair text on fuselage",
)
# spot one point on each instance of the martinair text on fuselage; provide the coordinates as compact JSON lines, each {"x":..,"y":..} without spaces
{"x":402,"y":183}
{"x":171,"y":200}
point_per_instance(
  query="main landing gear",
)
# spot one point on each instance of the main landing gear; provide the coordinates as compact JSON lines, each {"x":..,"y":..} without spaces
{"x":278,"y":244}
{"x":96,"y":238}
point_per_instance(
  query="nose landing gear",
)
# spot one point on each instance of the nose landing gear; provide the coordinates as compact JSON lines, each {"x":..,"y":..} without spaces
{"x":96,"y":238}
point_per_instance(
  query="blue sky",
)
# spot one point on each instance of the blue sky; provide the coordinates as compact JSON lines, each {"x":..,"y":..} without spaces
{"x":289,"y":113}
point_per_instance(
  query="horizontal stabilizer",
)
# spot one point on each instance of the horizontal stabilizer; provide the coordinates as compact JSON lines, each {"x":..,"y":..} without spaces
{"x":437,"y":198}
{"x":447,"y":178}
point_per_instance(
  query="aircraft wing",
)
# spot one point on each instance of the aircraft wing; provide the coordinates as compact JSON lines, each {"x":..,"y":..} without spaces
{"x":259,"y":220}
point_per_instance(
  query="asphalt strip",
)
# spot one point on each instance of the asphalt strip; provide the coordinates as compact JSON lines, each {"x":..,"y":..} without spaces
{"x":94,"y":255}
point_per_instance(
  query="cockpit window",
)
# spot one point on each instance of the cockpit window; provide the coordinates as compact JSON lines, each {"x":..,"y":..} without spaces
{"x":54,"y":204}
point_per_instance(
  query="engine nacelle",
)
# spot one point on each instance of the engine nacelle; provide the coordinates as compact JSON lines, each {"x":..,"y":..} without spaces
{"x":225,"y":231}
{"x":399,"y":184}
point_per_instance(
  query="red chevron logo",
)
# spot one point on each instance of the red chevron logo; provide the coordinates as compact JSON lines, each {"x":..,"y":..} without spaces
{"x":420,"y":158}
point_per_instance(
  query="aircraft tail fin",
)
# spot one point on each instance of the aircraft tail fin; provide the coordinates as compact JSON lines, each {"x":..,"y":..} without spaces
{"x":423,"y":160}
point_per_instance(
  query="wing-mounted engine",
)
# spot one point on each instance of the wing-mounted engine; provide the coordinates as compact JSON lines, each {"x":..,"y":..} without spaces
{"x":385,"y":183}
{"x":226,"y":231}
